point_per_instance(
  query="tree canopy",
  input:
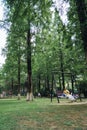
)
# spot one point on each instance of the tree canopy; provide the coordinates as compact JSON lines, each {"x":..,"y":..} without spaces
{"x":40,"y":43}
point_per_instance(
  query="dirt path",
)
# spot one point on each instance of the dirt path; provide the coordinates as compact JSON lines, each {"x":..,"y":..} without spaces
{"x":68,"y":102}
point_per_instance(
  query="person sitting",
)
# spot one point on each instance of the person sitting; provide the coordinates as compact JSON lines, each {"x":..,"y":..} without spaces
{"x":68,"y":95}
{"x":66,"y":92}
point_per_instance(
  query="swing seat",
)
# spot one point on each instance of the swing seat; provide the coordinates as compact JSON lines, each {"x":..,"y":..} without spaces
{"x":60,"y":94}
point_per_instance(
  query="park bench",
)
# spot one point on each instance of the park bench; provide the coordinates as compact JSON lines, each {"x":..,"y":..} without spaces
{"x":60,"y":94}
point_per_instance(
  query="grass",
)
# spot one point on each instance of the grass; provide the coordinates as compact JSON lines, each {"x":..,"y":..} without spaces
{"x":41,"y":114}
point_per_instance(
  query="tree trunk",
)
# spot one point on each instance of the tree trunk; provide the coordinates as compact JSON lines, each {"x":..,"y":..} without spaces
{"x":48,"y":85}
{"x":51,"y":89}
{"x":19,"y":74}
{"x":29,"y":88}
{"x":72,"y":82}
{"x":39,"y":78}
{"x":29,"y":96}
{"x":60,"y":82}
{"x":62,"y":70}
{"x":12,"y":85}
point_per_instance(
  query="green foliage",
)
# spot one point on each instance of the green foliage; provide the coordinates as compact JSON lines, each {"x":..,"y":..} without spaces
{"x":52,"y":41}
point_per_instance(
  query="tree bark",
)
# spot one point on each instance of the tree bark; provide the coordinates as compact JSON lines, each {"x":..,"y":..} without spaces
{"x":29,"y":87}
{"x":19,"y":95}
{"x":62,"y":70}
{"x":39,"y":78}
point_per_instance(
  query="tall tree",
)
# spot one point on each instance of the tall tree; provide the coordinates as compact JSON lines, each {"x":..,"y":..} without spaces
{"x":82,"y":14}
{"x":81,"y":7}
{"x":27,"y":13}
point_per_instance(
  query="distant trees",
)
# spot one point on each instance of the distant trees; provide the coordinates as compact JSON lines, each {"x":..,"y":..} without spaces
{"x":24,"y":18}
{"x":39,"y":43}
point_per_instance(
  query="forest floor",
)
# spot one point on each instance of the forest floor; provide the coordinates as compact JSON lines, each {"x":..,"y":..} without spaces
{"x":42,"y":114}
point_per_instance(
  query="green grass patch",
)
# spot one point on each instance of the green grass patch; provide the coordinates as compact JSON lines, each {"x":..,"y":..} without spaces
{"x":41,"y":114}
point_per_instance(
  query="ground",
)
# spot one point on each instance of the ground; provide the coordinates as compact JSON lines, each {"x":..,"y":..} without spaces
{"x":42,"y":114}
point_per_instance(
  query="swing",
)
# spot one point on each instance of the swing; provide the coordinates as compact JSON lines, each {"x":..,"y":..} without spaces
{"x":68,"y":95}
